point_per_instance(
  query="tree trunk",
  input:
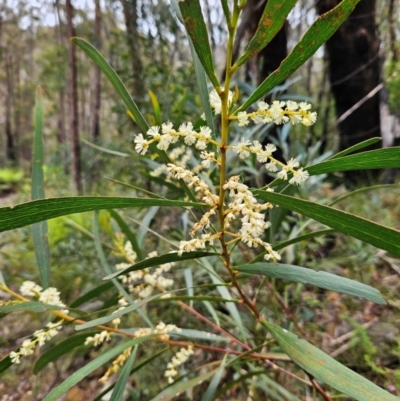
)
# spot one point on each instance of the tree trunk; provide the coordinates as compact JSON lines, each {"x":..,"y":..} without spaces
{"x":131,"y":23}
{"x":73,"y":101}
{"x":10,"y":143}
{"x":97,"y":76}
{"x":354,"y":73}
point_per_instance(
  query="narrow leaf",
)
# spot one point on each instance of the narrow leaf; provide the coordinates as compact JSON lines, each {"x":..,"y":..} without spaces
{"x":319,"y":278}
{"x":358,"y":227}
{"x":214,"y":384}
{"x":5,"y":363}
{"x":326,"y":369}
{"x":373,"y":159}
{"x":159,"y":260}
{"x":271,"y":22}
{"x":61,"y":349}
{"x":134,"y":369}
{"x":91,"y":294}
{"x":102,"y":63}
{"x":197,"y":30}
{"x":105,"y":150}
{"x":90,"y":367}
{"x":118,"y":393}
{"x":156,"y":107}
{"x":322,"y":29}
{"x":44,"y":209}
{"x":356,"y":147}
{"x":31,"y":306}
{"x":106,"y":319}
{"x":39,"y":230}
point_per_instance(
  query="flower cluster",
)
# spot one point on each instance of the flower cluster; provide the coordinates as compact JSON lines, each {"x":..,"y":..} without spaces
{"x":39,"y":338}
{"x":98,"y":338}
{"x":142,"y":282}
{"x":49,"y":296}
{"x":169,"y":135}
{"x":279,"y":112}
{"x":253,"y":224}
{"x":162,"y":330}
{"x":179,"y":359}
{"x":180,"y":156}
{"x":116,"y":365}
{"x":193,"y":181}
{"x":264,"y":155}
{"x":215,"y":101}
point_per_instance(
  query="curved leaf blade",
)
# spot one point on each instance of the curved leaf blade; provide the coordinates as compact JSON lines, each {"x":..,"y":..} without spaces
{"x":44,"y":209}
{"x":115,"y":80}
{"x":373,"y":159}
{"x":358,"y":146}
{"x":92,"y":366}
{"x":271,"y":22}
{"x":159,"y":260}
{"x":375,"y":234}
{"x":322,"y":29}
{"x":320,"y":279}
{"x":197,"y":30}
{"x":326,"y":369}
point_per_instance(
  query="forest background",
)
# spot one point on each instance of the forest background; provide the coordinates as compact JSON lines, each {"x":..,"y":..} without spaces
{"x":353,"y":82}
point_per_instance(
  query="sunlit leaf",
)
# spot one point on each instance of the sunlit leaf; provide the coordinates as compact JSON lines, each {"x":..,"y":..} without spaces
{"x":156,"y":107}
{"x":326,"y":369}
{"x":318,"y":278}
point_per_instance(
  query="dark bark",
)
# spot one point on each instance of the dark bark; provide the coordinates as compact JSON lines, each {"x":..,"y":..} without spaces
{"x":131,"y":23}
{"x":10,"y":142}
{"x":269,"y":58}
{"x":73,"y":101}
{"x":354,"y":72}
{"x":61,"y":130}
{"x":97,"y":76}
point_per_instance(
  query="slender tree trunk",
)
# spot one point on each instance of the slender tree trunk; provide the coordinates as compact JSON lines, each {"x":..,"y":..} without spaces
{"x":10,"y":143}
{"x":97,"y":76}
{"x":355,"y":72}
{"x":73,"y":101}
{"x":131,"y":23}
